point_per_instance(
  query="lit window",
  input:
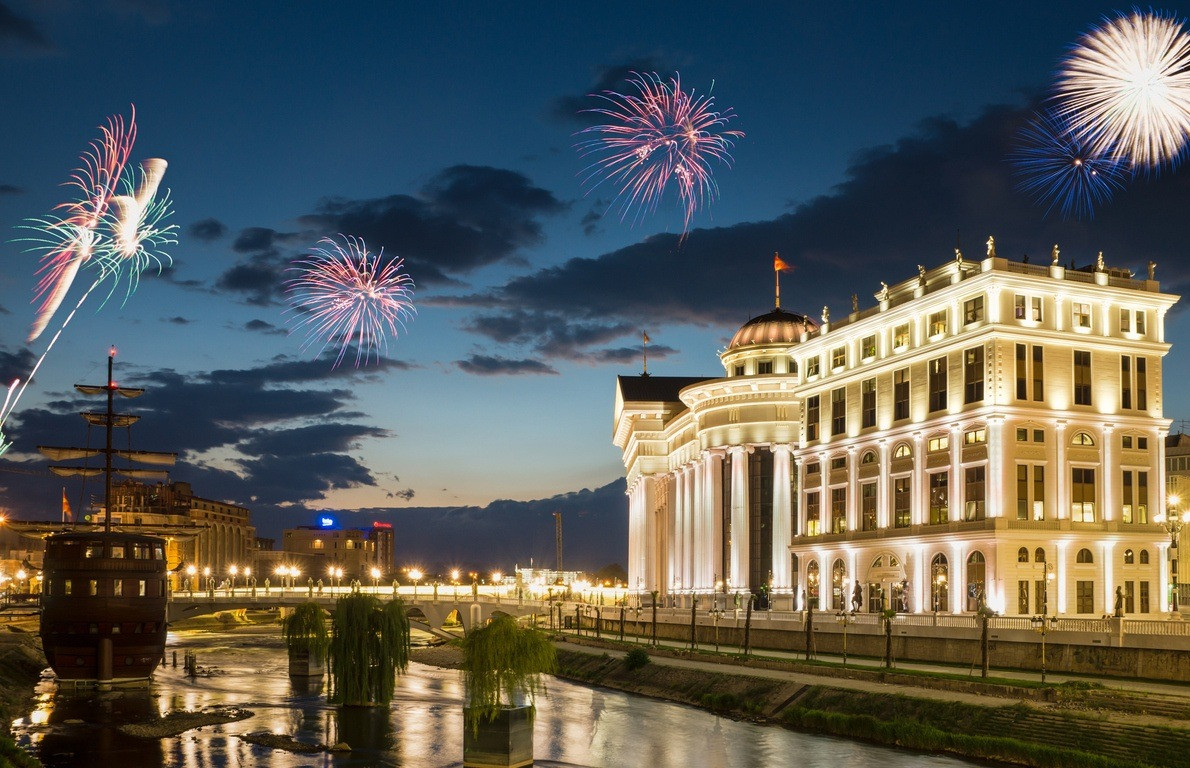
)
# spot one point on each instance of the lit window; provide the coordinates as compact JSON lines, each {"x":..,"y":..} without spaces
{"x":812,"y":366}
{"x":941,"y":443}
{"x":867,"y":347}
{"x":869,"y":457}
{"x":902,"y":451}
{"x":838,"y":357}
{"x":1082,"y":438}
{"x":975,"y":436}
{"x":901,"y":336}
{"x":973,"y":310}
{"x":1081,"y":314}
{"x":937,"y":323}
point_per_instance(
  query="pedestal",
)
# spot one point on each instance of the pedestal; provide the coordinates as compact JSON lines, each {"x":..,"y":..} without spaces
{"x":505,"y":742}
{"x":305,"y":664}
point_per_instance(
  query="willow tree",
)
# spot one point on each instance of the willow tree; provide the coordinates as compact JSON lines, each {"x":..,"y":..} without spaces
{"x":502,"y":667}
{"x":369,"y":647}
{"x":305,"y":632}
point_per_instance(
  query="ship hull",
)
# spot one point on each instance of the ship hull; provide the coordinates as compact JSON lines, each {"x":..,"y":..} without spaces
{"x":103,"y":617}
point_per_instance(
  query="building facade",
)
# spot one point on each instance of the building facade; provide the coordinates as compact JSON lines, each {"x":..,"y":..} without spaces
{"x":990,"y":433}
{"x":355,"y":550}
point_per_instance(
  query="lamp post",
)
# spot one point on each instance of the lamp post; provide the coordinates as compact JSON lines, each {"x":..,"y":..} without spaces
{"x":375,"y":572}
{"x":415,"y":574}
{"x":233,"y":570}
{"x":191,"y":572}
{"x":939,"y":584}
{"x":454,"y":580}
{"x":716,"y":612}
{"x":336,"y":574}
{"x":1172,"y":522}
{"x":844,"y":618}
{"x":1043,"y":624}
{"x":21,"y":576}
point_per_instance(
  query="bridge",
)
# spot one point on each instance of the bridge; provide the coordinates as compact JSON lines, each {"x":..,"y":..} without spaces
{"x":429,"y":609}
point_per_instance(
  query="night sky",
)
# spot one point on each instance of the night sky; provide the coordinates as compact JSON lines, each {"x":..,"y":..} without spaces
{"x":445,"y":133}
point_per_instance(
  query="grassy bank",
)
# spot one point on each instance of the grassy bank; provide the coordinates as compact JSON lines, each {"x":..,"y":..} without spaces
{"x":21,"y":662}
{"x":1040,"y":736}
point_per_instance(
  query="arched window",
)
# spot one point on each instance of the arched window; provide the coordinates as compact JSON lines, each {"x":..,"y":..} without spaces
{"x":812,"y":582}
{"x":1022,"y":555}
{"x":1039,"y":555}
{"x":838,"y":574}
{"x":1084,"y":556}
{"x":1082,"y":438}
{"x":940,"y":575}
{"x":976,"y":570}
{"x":902,"y":451}
{"x":1144,"y":557}
{"x":1129,"y":557}
{"x":869,"y":457}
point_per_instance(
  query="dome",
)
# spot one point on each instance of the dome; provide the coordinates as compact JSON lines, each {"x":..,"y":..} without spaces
{"x":776,"y":327}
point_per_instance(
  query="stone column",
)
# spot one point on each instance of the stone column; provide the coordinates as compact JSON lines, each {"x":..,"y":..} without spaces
{"x":883,"y":486}
{"x":1061,"y":481}
{"x":919,"y":504}
{"x":688,"y":527}
{"x":954,"y":490}
{"x":1105,"y":489}
{"x":673,"y":560}
{"x":782,"y":524}
{"x":993,"y":500}
{"x":801,"y":503}
{"x":739,"y":517}
{"x":697,"y":524}
{"x":1061,"y":579}
{"x":714,"y":556}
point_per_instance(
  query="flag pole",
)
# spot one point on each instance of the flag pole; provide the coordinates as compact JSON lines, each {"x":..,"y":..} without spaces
{"x":777,"y":272}
{"x":644,"y":351}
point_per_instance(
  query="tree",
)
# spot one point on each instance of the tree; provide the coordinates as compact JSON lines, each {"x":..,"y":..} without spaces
{"x":369,"y":647}
{"x":502,"y":667}
{"x":305,"y":634}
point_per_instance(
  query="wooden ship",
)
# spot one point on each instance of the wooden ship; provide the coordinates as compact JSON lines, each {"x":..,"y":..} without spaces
{"x":104,"y":591}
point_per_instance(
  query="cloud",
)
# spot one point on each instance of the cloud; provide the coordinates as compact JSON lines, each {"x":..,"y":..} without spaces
{"x":179,"y":320}
{"x":261,"y":279}
{"x":544,"y":334}
{"x":610,"y":77}
{"x":464,"y":218}
{"x":262,"y":326}
{"x":485,"y":365}
{"x":18,"y":34}
{"x":900,"y":205}
{"x":207,"y":230}
{"x":9,"y":189}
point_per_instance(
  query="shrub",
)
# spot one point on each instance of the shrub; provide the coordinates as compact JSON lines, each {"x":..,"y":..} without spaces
{"x":636,"y":658}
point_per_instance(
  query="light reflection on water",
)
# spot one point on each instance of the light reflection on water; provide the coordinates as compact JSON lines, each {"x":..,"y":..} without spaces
{"x":576,"y":726}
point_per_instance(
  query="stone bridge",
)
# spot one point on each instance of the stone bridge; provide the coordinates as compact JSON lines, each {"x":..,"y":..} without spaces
{"x":427,"y":610}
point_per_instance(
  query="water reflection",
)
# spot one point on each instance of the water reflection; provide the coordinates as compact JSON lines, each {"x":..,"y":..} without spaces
{"x":575,"y":726}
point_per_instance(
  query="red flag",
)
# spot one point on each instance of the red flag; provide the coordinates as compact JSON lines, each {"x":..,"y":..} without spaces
{"x":779,"y":265}
{"x":67,"y":515}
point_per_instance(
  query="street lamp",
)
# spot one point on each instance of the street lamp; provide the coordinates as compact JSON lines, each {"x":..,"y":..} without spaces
{"x":1044,"y":625}
{"x":336,"y":574}
{"x":233,"y":570}
{"x":375,"y":578}
{"x":844,"y":618}
{"x":191,"y":572}
{"x":21,"y":576}
{"x":1172,"y":522}
{"x":415,"y":574}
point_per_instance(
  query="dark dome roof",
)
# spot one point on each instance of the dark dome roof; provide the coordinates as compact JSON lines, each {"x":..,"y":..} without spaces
{"x":776,"y":327}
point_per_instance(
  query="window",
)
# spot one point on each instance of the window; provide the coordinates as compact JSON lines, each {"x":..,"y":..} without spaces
{"x":1027,"y":308}
{"x":1140,"y":321}
{"x":67,"y":586}
{"x":937,"y":323}
{"x":1080,"y":315}
{"x":1082,"y":494}
{"x":1024,"y":435}
{"x":1039,"y":555}
{"x":1133,"y":378}
{"x":939,"y":498}
{"x":869,"y":457}
{"x":839,"y":462}
{"x":1129,"y":557}
{"x":973,"y":310}
{"x":936,"y":369}
{"x":973,"y":375}
{"x":1022,"y":555}
{"x":813,"y":513}
{"x":1125,"y":381}
{"x":940,"y":443}
{"x":1086,"y":596}
{"x":1144,"y":557}
{"x":1125,"y":320}
{"x":1082,"y":438}
{"x":902,"y":451}
{"x":764,"y":366}
{"x":739,"y":370}
{"x":1030,"y":496}
{"x":902,"y":495}
{"x":813,"y":468}
{"x":838,"y":411}
{"x":1084,"y":557}
{"x":1135,"y":507}
{"x":867,"y":347}
{"x":838,"y":358}
{"x":977,"y":436}
{"x":812,"y":366}
{"x":1023,"y":377}
{"x":867,"y":506}
{"x":317,"y":544}
{"x":901,"y":394}
{"x":838,"y":510}
{"x":867,"y":391}
{"x":1144,"y":597}
{"x":974,"y":485}
{"x":901,"y":336}
{"x":1132,"y":321}
{"x":118,"y":551}
{"x":812,"y":417}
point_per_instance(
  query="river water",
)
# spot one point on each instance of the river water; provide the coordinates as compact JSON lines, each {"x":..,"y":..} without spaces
{"x":576,"y":726}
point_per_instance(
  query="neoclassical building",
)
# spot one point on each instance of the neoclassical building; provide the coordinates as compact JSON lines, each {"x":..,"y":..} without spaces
{"x":990,"y":432}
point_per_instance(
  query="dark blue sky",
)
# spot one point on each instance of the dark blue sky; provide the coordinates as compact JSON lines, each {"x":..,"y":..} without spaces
{"x":445,"y":133}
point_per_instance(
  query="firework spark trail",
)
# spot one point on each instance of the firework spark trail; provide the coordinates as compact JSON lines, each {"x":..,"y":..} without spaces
{"x":1054,"y":166}
{"x":69,"y":240}
{"x":661,"y":135}
{"x":139,"y":230}
{"x":1125,"y":87}
{"x":343,"y":292}
{"x":4,"y":446}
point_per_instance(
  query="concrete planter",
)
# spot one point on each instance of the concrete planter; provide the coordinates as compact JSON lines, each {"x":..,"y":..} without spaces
{"x":505,"y":742}
{"x":305,"y":664}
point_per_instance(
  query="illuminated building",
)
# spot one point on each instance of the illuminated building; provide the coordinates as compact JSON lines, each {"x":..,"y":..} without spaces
{"x":355,"y":550}
{"x":989,"y":432}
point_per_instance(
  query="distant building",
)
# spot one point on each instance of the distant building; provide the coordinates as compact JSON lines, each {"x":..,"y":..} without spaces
{"x":991,"y":432}
{"x":1177,"y":477}
{"x":355,"y":550}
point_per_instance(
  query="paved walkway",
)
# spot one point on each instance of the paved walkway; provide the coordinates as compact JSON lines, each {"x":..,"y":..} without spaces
{"x":1117,"y":683}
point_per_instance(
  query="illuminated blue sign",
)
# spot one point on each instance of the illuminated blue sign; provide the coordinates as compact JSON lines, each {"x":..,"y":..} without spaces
{"x":326,"y":521}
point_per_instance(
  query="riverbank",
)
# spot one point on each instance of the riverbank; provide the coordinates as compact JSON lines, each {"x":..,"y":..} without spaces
{"x":1050,"y":727}
{"x":21,"y":663}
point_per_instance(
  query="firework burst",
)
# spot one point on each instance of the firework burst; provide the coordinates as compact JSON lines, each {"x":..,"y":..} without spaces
{"x":1125,"y":88}
{"x":1054,"y":166}
{"x":659,"y":137}
{"x":139,"y":232}
{"x":346,"y":295}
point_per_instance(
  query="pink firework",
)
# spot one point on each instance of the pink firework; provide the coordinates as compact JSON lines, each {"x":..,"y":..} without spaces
{"x":69,"y":239}
{"x":660,"y":136}
{"x":346,"y":295}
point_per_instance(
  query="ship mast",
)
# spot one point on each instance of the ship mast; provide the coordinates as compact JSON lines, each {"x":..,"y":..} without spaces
{"x":109,"y":419}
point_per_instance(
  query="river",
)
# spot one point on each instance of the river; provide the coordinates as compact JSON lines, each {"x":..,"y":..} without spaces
{"x":576,"y":725}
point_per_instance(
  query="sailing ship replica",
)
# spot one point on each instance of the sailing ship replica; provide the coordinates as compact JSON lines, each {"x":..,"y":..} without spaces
{"x":103,"y":616}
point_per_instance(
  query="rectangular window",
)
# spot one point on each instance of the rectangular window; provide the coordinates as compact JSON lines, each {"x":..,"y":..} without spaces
{"x":812,"y":417}
{"x":1129,"y":597}
{"x":1140,"y":321}
{"x":764,"y":366}
{"x":1080,"y":314}
{"x":1142,"y":383}
{"x":1022,"y":372}
{"x":812,"y":366}
{"x":1129,"y":497}
{"x":1019,"y":303}
{"x":867,"y":390}
{"x":838,"y":358}
{"x":1082,"y":377}
{"x":901,"y":336}
{"x":1135,"y":492}
{"x":974,"y":490}
{"x":1022,"y":491}
{"x":140,"y":588}
{"x":1023,"y":376}
{"x":1038,"y":493}
{"x":813,"y":512}
{"x":67,"y":586}
{"x":1082,"y":494}
{"x":973,"y":375}
{"x":1125,"y":320}
{"x":937,"y":323}
{"x":973,"y":310}
{"x":1144,"y":597}
{"x":1022,"y":597}
{"x":117,"y":587}
{"x":1142,"y":498}
{"x":739,"y":370}
{"x":1039,"y":590}
{"x":1086,"y":596}
{"x":867,"y":508}
{"x":839,"y":462}
{"x":1038,"y":373}
{"x":1030,"y":496}
{"x":937,"y":383}
{"x":867,"y":347}
{"x":902,"y":496}
{"x":838,"y":510}
{"x":940,"y":443}
{"x":92,"y":587}
{"x":939,"y":498}
{"x":1125,"y":381}
{"x":901,"y":394}
{"x":1027,"y":308}
{"x":838,"y":411}
{"x":975,"y":436}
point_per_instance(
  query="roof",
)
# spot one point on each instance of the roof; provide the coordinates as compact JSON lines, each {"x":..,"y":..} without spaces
{"x":655,"y":388}
{"x":778,"y":327}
